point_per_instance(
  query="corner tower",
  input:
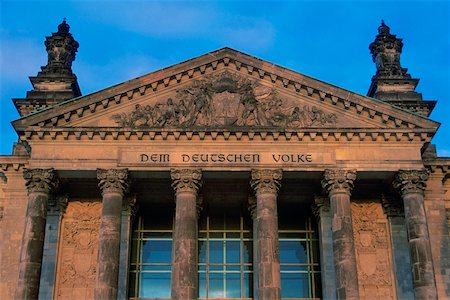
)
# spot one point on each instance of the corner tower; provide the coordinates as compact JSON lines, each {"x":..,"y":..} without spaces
{"x":55,"y":82}
{"x":392,"y":83}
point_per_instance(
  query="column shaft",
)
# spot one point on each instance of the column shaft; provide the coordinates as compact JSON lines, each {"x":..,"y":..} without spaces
{"x":39,"y":183}
{"x":411,"y":184}
{"x":339,"y":183}
{"x":113,"y":184}
{"x":266,"y":184}
{"x":184,"y":283}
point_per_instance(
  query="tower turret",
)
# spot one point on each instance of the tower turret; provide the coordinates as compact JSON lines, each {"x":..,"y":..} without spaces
{"x":55,"y":82}
{"x":392,"y":83}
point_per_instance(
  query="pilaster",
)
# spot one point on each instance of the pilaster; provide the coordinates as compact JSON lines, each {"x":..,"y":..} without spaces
{"x":56,"y":208}
{"x":40,"y":183}
{"x":266,"y":183}
{"x":321,"y":209}
{"x":128,"y":212}
{"x":411,"y":185}
{"x":113,"y":184}
{"x":186,"y":183}
{"x":394,"y":211}
{"x":338,"y":184}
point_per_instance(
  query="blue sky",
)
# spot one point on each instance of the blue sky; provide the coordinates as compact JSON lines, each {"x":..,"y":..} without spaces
{"x":328,"y":40}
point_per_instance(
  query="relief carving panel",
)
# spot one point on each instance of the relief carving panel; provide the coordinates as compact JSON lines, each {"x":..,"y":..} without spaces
{"x":373,"y":251}
{"x":225,"y":100}
{"x":75,"y":278}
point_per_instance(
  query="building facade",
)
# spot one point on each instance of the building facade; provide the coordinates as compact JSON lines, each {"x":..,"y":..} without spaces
{"x":224,"y":176}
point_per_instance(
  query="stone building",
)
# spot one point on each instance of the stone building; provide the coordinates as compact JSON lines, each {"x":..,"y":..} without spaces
{"x":224,"y":176}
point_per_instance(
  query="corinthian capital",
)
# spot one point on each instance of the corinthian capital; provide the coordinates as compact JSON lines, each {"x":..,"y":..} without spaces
{"x":113,"y":180}
{"x":338,"y":181}
{"x":40,"y":180}
{"x":186,"y":180}
{"x":266,"y":181}
{"x":411,"y":181}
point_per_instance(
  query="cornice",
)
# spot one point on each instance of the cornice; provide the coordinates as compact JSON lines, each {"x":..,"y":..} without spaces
{"x":260,"y":134}
{"x":232,"y":60}
{"x":13,"y":163}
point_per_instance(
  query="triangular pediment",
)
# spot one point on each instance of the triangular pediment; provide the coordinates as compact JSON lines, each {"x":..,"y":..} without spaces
{"x":225,"y":90}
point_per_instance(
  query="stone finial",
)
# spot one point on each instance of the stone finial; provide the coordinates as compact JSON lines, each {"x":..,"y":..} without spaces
{"x":266,"y":181}
{"x":338,"y":181}
{"x":392,"y":207}
{"x":61,"y":48}
{"x":40,"y":180}
{"x":186,"y":180}
{"x":113,"y":180}
{"x":58,"y":203}
{"x":411,"y":181}
{"x":386,"y":50}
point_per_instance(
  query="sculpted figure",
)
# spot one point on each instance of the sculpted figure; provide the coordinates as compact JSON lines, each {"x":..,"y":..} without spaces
{"x":250,"y":115}
{"x":170,"y":115}
{"x":200,"y":115}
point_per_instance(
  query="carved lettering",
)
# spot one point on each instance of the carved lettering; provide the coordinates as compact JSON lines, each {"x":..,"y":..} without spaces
{"x":292,"y":158}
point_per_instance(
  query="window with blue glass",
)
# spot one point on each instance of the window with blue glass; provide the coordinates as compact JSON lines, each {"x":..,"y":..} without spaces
{"x":225,"y":247}
{"x":151,"y":256}
{"x":299,"y":255}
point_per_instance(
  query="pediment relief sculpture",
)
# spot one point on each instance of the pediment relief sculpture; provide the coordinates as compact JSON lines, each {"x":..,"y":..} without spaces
{"x":225,"y":100}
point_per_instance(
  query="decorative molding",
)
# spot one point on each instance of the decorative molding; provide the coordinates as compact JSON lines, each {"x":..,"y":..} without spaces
{"x":321,"y":205}
{"x":130,"y":205}
{"x":186,"y":180}
{"x":251,"y":205}
{"x":225,"y":100}
{"x":266,"y":181}
{"x":58,"y":204}
{"x":338,"y":181}
{"x":392,"y":207}
{"x":113,"y":180}
{"x":411,"y":181}
{"x":239,"y":133}
{"x":40,"y":180}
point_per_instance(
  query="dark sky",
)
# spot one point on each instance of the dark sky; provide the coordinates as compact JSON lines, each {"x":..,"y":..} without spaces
{"x":328,"y":40}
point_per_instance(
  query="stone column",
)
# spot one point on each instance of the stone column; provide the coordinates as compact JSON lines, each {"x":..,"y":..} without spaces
{"x":128,"y":212}
{"x":186,"y":183}
{"x":321,"y":209}
{"x":411,"y":185}
{"x":339,"y":183}
{"x":56,"y":208}
{"x":113,"y":184}
{"x":40,"y":183}
{"x":399,"y":241}
{"x":266,"y":183}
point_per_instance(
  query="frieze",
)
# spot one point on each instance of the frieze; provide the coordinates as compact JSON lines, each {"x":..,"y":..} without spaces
{"x":222,"y":101}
